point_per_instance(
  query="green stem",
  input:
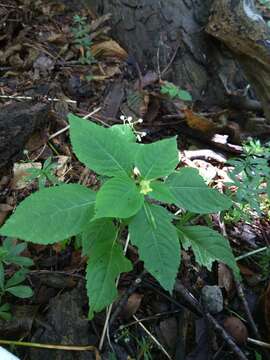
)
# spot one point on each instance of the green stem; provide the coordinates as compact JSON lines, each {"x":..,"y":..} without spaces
{"x":251,"y":253}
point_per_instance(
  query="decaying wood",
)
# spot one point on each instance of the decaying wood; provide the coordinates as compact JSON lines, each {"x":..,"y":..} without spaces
{"x":18,"y":121}
{"x":237,"y":24}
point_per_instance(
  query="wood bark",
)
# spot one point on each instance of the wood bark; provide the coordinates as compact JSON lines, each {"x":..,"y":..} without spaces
{"x":18,"y":121}
{"x":238,"y":25}
{"x":153,"y":31}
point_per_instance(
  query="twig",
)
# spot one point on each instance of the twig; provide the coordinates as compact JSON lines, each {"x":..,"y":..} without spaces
{"x":194,"y":302}
{"x":251,"y":253}
{"x":68,"y":126}
{"x":240,"y":292}
{"x":251,"y":321}
{"x":53,"y":347}
{"x":219,"y":329}
{"x":31,"y":98}
{"x":153,"y":338}
{"x":149,"y":318}
{"x":259,"y":343}
{"x":171,"y":61}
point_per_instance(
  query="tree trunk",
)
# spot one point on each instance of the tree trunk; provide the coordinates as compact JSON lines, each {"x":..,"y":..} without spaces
{"x":161,"y":32}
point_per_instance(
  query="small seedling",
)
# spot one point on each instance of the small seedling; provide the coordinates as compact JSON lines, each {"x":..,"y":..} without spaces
{"x":141,"y":178}
{"x":44,"y":175}
{"x":10,"y":254}
{"x":174,"y":91}
{"x":82,"y":39}
{"x":251,"y":176}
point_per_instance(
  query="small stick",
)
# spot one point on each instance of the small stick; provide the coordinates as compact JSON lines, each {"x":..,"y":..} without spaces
{"x":53,"y":347}
{"x":31,"y":98}
{"x":194,"y":302}
{"x":61,"y":131}
{"x":153,"y":338}
{"x":240,"y":292}
{"x":259,"y":343}
{"x":251,"y":321}
{"x":171,"y":61}
{"x":219,"y":329}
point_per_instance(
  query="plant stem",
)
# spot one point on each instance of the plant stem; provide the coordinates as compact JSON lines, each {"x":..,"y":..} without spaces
{"x":51,"y":346}
{"x":251,"y":253}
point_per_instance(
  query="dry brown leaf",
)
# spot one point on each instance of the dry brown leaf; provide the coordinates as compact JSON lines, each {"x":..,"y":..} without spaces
{"x":225,"y":278}
{"x":20,"y":180}
{"x":109,"y":48}
{"x":198,"y":122}
{"x":133,"y":304}
{"x":236,"y":328}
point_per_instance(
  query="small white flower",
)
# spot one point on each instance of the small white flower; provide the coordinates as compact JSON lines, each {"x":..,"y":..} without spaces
{"x":136,"y":171}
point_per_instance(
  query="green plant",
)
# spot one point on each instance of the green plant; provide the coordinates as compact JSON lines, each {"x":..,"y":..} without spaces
{"x":5,"y":312}
{"x":174,"y":91}
{"x":140,"y":178}
{"x":251,"y":176}
{"x":43,"y":175}
{"x":144,"y":344}
{"x":10,"y":254}
{"x":13,"y":285}
{"x":82,"y":39}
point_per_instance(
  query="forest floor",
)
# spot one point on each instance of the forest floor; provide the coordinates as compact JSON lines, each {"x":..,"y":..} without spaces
{"x":42,"y":60}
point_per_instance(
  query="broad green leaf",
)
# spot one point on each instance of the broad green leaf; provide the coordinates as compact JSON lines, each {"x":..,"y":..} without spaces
{"x":105,"y":264}
{"x":161,"y":192}
{"x":102,"y":150}
{"x":20,"y":260}
{"x":191,"y":193}
{"x":158,"y":159}
{"x":119,"y":197}
{"x":124,"y":130}
{"x":21,"y":291}
{"x":97,"y":231}
{"x":268,"y":188}
{"x":17,"y":278}
{"x":51,"y":214}
{"x":156,"y":238}
{"x":208,"y":246}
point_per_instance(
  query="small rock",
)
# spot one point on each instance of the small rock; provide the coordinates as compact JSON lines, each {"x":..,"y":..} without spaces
{"x":212,"y":299}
